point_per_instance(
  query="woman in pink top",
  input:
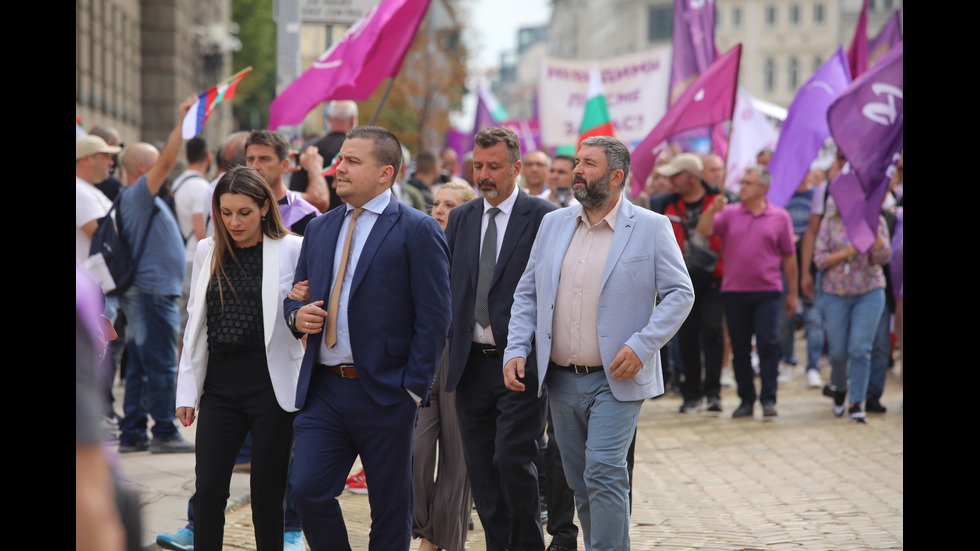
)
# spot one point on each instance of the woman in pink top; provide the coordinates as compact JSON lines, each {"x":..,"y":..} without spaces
{"x":854,"y":287}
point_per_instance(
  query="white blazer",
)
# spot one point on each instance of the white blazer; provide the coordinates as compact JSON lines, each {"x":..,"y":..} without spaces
{"x":283,"y":352}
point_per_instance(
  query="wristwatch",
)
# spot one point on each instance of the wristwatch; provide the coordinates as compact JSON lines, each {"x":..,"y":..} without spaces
{"x":292,"y":320}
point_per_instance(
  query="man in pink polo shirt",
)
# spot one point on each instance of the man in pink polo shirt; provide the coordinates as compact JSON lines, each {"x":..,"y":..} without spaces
{"x":757,"y":248}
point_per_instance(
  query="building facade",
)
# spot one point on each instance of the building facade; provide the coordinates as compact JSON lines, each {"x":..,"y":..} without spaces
{"x":136,"y":60}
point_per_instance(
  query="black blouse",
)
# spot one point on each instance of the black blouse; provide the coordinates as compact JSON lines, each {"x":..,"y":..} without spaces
{"x":236,"y":325}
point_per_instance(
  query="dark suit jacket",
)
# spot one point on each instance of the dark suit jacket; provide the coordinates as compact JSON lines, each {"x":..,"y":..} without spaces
{"x":463,"y":234}
{"x":397,"y":308}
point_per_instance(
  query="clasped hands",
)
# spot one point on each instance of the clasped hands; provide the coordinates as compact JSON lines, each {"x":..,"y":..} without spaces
{"x":310,"y":317}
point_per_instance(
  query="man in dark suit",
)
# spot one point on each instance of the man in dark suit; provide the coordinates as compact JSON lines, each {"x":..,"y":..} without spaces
{"x":490,"y":240}
{"x":378,"y":275}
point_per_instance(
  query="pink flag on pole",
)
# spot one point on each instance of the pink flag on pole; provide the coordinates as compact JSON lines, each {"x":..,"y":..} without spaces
{"x":857,"y":54}
{"x":352,"y":69}
{"x":708,"y":100}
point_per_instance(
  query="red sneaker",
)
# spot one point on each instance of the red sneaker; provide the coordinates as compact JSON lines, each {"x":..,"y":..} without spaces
{"x":357,"y":484}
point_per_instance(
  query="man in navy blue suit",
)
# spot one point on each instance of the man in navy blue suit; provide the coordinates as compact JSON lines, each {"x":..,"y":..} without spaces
{"x":378,"y":274}
{"x":490,"y":240}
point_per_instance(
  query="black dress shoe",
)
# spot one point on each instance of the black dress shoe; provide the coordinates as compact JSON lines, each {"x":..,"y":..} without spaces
{"x":874,"y":405}
{"x":743,"y":410}
{"x":556,"y":547}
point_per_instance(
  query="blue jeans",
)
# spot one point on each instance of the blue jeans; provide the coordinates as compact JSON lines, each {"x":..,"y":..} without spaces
{"x":754,"y":313}
{"x":851,"y":326}
{"x":151,"y":368}
{"x":813,"y":319}
{"x":594,"y":431}
{"x":787,"y":330}
{"x":881,"y":352}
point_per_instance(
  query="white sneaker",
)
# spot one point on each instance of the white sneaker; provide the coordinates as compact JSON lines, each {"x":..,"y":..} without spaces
{"x":813,"y":379}
{"x":727,"y":380}
{"x":785,"y":373}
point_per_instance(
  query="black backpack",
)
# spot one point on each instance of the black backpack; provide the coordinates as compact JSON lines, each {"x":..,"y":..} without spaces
{"x":107,"y":242}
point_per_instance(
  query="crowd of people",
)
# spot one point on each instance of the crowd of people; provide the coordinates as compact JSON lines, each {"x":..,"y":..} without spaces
{"x":448,"y":324}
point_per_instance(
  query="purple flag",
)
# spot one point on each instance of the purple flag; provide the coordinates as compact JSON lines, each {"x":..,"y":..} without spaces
{"x":372,"y":50}
{"x":867,"y":121}
{"x":694,"y":43}
{"x":857,"y":54}
{"x":460,"y":142}
{"x":709,"y":100}
{"x":805,"y":128}
{"x":693,"y":52}
{"x":889,"y":35}
{"x":489,"y":111}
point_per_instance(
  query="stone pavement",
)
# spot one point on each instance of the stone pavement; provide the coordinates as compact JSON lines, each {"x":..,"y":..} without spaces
{"x":804,"y":481}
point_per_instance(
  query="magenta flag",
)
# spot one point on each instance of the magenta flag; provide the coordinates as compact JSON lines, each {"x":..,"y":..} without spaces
{"x":867,"y":121}
{"x":857,"y":54}
{"x":371,"y":50}
{"x":709,"y":100}
{"x":528,"y":132}
{"x":889,"y":35}
{"x":805,"y":128}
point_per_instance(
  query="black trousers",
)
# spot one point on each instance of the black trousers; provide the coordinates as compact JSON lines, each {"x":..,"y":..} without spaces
{"x":499,"y":429}
{"x":702,"y":334}
{"x":238,"y":398}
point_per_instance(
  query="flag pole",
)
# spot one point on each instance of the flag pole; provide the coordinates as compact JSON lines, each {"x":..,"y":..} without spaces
{"x":236,"y":75}
{"x":384,"y":96}
{"x":731,"y":127}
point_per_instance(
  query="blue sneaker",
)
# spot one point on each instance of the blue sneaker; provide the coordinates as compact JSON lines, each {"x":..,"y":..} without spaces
{"x":181,"y":540}
{"x":293,"y":541}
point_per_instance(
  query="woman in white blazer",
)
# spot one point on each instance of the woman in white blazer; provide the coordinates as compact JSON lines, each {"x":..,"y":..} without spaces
{"x":240,"y":362}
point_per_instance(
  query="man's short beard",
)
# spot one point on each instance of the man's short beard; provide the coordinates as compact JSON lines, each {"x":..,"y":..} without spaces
{"x":488,"y":193}
{"x":593,"y":194}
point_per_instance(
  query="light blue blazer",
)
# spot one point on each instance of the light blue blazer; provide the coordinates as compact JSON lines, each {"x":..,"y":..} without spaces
{"x":644,"y":261}
{"x":283,"y":352}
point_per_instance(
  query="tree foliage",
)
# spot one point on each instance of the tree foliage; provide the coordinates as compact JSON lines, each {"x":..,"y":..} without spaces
{"x":257,"y":31}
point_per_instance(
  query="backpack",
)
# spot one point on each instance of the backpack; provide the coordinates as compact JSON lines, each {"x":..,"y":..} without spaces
{"x":109,"y":256}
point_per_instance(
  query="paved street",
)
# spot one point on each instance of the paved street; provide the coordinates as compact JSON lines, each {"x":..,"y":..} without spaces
{"x":804,"y":481}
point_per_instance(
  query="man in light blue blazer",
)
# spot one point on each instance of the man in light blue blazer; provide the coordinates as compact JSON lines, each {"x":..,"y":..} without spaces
{"x":589,"y":297}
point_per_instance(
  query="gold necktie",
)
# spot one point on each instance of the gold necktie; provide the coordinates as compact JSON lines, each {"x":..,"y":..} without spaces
{"x":330,"y":333}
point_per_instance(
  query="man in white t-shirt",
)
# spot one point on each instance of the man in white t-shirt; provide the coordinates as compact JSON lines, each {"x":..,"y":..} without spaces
{"x":93,"y":159}
{"x":190,"y":189}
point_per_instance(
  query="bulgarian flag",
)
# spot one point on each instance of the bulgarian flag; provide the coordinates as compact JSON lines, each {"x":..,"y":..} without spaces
{"x":198,"y":114}
{"x":595,"y":120}
{"x":332,"y":168}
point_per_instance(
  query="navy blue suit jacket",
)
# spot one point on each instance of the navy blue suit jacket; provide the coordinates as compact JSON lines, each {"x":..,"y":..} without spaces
{"x":398,"y":309}
{"x":463,"y":234}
